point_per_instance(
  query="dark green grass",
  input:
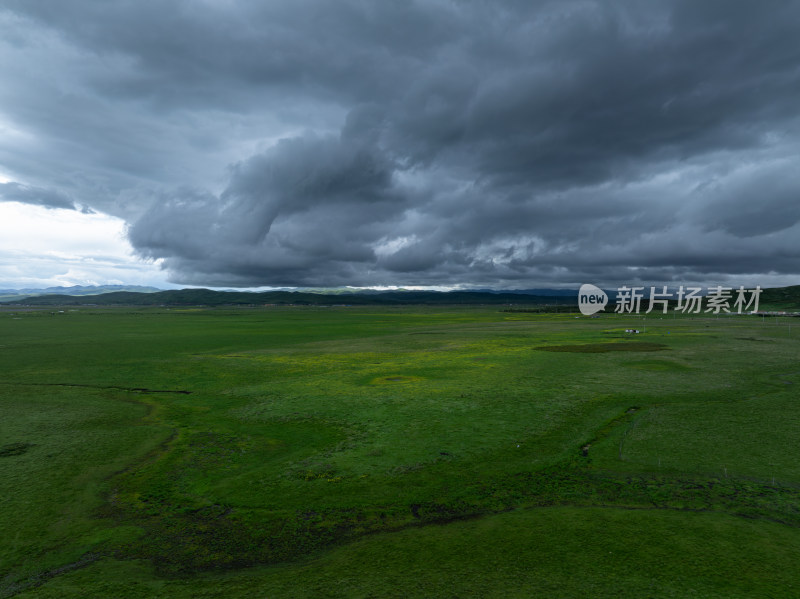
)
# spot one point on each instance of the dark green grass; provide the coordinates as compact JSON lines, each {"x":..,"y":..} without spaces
{"x":186,"y":442}
{"x":558,"y":553}
{"x":73,"y":440}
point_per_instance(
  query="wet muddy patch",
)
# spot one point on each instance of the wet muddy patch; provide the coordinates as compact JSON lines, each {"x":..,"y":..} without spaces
{"x":395,"y":379}
{"x":599,"y":348}
{"x":14,"y":449}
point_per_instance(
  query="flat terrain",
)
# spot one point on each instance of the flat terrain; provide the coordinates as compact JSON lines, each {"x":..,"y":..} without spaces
{"x":397,"y":452}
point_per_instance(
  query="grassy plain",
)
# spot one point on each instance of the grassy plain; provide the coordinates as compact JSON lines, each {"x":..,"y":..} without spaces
{"x":382,"y":452}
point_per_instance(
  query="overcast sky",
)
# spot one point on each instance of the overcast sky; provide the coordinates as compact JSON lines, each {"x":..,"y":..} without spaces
{"x":508,"y":144}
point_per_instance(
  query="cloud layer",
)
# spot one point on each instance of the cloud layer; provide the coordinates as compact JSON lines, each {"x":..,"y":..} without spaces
{"x":421,"y":143}
{"x":36,"y":196}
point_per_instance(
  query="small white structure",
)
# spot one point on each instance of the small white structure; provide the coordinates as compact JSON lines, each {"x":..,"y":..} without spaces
{"x":632,"y":331}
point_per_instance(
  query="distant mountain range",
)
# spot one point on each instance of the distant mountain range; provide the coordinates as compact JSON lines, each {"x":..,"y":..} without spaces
{"x":208,"y":297}
{"x":781,"y":298}
{"x":539,"y":292}
{"x":11,"y":294}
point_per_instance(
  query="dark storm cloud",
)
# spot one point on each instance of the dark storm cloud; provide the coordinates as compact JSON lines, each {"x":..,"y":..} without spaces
{"x":49,"y":198}
{"x":507,"y":144}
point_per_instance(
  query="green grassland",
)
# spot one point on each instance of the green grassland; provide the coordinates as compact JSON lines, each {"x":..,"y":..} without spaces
{"x":395,"y":452}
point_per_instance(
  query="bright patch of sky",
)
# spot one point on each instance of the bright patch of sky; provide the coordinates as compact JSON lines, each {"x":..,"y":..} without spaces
{"x":45,"y":247}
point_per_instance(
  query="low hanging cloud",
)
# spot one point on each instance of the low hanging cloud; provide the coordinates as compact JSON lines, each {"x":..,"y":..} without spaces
{"x":507,"y":144}
{"x":36,"y":196}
